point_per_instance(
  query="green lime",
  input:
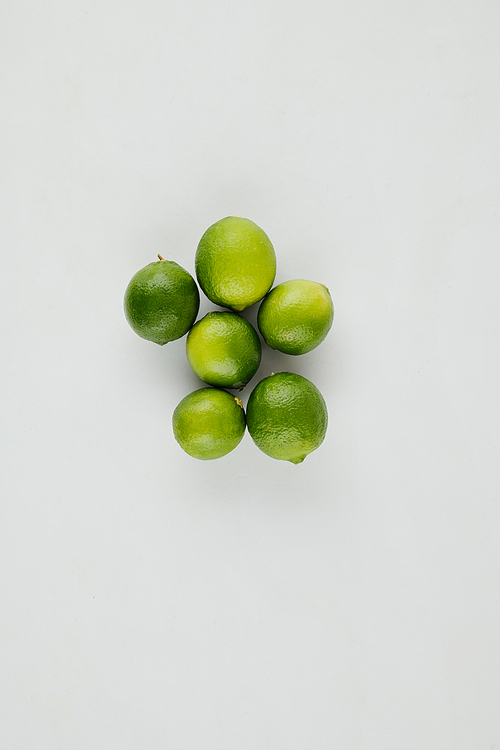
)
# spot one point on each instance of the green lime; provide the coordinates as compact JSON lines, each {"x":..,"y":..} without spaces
{"x":296,"y":316}
{"x":224,"y":350}
{"x":235,"y":263}
{"x":161,"y":301}
{"x":209,"y":423}
{"x":287,"y":417}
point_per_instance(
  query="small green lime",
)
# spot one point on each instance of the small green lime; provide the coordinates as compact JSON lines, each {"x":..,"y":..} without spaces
{"x":161,"y":301}
{"x":235,"y":263}
{"x":209,"y":423}
{"x":296,"y":316}
{"x":287,"y":417}
{"x":224,"y":350}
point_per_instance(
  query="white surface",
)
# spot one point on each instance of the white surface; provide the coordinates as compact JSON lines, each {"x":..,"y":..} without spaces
{"x":152,"y":601}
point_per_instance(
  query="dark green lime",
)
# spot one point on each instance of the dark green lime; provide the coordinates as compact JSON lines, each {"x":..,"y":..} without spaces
{"x":287,"y":417}
{"x":161,"y":302}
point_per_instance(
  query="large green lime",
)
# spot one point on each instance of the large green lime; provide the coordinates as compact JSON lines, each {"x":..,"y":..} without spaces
{"x":223,"y":349}
{"x":209,"y":423}
{"x":161,"y":301}
{"x":287,"y":416}
{"x":235,"y":263}
{"x":296,"y":316}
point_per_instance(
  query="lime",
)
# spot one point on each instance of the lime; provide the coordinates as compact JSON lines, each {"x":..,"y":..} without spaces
{"x":161,"y":301}
{"x":224,"y":350}
{"x":296,"y":316}
{"x":209,"y":423}
{"x":287,"y":417}
{"x":235,"y":263}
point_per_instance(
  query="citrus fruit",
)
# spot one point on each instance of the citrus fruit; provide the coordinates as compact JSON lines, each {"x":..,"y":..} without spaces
{"x":287,"y":417}
{"x":209,"y":423}
{"x":161,"y":301}
{"x":235,"y":263}
{"x":223,"y":349}
{"x":296,"y":316}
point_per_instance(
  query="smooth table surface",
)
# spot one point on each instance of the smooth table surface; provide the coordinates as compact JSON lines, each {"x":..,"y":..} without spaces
{"x":149,"y":600}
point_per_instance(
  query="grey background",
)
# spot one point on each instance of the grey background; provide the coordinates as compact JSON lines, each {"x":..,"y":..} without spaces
{"x":150,"y":600}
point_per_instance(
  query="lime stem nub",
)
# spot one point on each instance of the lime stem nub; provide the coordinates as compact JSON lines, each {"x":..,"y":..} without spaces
{"x":159,"y":257}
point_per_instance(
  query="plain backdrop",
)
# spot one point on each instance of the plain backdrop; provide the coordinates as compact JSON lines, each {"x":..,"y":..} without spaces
{"x":149,"y":600}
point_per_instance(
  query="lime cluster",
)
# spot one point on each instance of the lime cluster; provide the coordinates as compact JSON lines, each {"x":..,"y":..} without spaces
{"x":235,"y":267}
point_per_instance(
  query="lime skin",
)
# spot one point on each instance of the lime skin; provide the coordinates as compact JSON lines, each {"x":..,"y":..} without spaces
{"x":287,"y":417}
{"x":161,"y":302}
{"x":296,"y":316}
{"x":224,"y":350}
{"x":209,"y":423}
{"x":235,"y":263}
